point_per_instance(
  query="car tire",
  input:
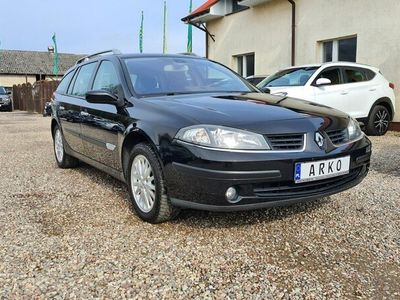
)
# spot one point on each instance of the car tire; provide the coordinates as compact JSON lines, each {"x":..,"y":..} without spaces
{"x":10,"y":108}
{"x":63,"y":160}
{"x":146,"y":184}
{"x":378,"y":122}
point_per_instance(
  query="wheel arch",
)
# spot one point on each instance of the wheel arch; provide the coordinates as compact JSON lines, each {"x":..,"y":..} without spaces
{"x":131,"y":138}
{"x":386,"y":102}
{"x":54,"y":123}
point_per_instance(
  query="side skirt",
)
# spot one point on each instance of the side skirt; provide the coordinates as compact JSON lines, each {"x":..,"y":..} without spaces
{"x":110,"y":171}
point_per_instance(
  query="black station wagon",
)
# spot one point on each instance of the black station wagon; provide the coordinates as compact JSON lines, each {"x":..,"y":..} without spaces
{"x":185,"y":132}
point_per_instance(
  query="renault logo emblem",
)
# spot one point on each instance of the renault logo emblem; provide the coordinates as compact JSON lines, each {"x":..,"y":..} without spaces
{"x":319,"y":139}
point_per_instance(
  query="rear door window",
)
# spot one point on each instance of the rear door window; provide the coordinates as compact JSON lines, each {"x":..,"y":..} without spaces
{"x":333,"y":74}
{"x":82,"y":81}
{"x":353,"y":75}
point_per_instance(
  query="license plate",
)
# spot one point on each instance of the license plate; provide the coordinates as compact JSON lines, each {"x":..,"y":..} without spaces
{"x":322,"y":169}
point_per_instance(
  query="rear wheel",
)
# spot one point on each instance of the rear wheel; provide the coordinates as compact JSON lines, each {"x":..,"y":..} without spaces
{"x":147,"y":186}
{"x":378,"y":123}
{"x":63,"y":160}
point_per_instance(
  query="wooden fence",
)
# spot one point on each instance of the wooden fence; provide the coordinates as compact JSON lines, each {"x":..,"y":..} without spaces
{"x":32,"y":98}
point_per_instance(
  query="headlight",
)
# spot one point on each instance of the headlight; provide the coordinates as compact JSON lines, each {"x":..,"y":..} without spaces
{"x":354,"y":130}
{"x":222,"y":137}
{"x":7,"y":100}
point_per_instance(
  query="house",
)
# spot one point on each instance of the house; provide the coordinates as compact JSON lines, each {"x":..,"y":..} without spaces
{"x":18,"y":67}
{"x":263,"y":36}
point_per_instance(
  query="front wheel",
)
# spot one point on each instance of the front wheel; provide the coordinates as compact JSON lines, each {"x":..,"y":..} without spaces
{"x":378,"y":123}
{"x":63,"y":160}
{"x":147,"y":186}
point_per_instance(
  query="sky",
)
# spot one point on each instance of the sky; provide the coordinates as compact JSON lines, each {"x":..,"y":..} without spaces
{"x":88,"y":26}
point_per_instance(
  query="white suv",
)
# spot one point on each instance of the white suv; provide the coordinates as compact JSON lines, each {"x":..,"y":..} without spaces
{"x":359,"y":90}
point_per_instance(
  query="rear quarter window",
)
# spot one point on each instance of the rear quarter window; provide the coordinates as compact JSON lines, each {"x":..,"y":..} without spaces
{"x":370,"y":74}
{"x":63,"y":85}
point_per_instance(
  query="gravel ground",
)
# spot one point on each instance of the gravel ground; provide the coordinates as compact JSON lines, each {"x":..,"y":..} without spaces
{"x":71,"y":234}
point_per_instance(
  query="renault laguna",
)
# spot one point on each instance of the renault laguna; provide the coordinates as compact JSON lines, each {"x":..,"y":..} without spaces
{"x":185,"y":132}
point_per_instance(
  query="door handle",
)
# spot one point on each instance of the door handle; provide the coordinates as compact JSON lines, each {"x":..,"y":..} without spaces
{"x":84,"y":113}
{"x":344,"y":92}
{"x":372,"y":89}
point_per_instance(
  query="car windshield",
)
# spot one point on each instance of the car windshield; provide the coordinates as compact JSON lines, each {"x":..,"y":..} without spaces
{"x":289,"y":77}
{"x":2,"y":91}
{"x":182,"y":75}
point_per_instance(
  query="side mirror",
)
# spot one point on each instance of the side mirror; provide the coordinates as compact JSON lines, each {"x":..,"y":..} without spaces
{"x":323,"y":81}
{"x":265,"y":90}
{"x":9,"y":93}
{"x":101,"y":97}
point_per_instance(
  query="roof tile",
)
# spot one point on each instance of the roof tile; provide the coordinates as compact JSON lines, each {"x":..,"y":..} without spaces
{"x":34,"y":62}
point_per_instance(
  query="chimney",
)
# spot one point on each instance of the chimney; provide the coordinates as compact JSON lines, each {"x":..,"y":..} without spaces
{"x":50,"y":49}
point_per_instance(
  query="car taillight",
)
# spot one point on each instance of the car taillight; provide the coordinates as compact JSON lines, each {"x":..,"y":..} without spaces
{"x":391,"y":85}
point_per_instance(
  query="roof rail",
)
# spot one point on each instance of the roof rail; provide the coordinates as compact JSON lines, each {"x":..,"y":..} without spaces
{"x":87,"y":57}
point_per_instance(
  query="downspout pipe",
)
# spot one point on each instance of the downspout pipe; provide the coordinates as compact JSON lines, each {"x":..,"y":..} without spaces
{"x":293,"y":58}
{"x":206,"y":45}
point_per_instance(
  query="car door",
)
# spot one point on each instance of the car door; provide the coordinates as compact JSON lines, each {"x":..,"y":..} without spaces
{"x":104,"y":122}
{"x":334,"y":94}
{"x":68,"y":112}
{"x":71,"y":110}
{"x":361,"y":91}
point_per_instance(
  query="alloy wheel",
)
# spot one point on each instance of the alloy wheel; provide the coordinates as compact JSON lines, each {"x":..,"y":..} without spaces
{"x":381,"y":121}
{"x":58,"y":146}
{"x":142,"y":183}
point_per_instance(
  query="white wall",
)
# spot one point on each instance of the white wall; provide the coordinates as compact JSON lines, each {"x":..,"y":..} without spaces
{"x":266,"y":30}
{"x":10,"y":80}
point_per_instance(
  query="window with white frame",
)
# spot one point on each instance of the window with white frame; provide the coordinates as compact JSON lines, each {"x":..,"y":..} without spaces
{"x":344,"y":49}
{"x":245,"y":64}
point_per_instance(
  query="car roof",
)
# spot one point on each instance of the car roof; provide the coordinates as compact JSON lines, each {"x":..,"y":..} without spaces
{"x":304,"y":66}
{"x":85,"y":60}
{"x":334,"y":64}
{"x":141,"y":55}
{"x":349,"y":64}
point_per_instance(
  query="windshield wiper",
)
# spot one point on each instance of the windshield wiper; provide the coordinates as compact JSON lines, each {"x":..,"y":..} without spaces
{"x":191,"y":92}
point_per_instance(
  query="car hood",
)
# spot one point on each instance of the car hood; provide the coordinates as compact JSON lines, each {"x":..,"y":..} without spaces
{"x":250,"y":111}
{"x":287,"y":89}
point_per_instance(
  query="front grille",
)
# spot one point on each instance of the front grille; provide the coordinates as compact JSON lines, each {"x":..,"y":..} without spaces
{"x":290,"y":190}
{"x":287,"y":142}
{"x":338,"y":137}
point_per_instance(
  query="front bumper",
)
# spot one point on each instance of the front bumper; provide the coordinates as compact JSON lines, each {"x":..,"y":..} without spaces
{"x":198,"y":178}
{"x":5,"y":106}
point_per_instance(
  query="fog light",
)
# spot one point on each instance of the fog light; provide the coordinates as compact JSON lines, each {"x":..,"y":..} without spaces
{"x":231,"y":194}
